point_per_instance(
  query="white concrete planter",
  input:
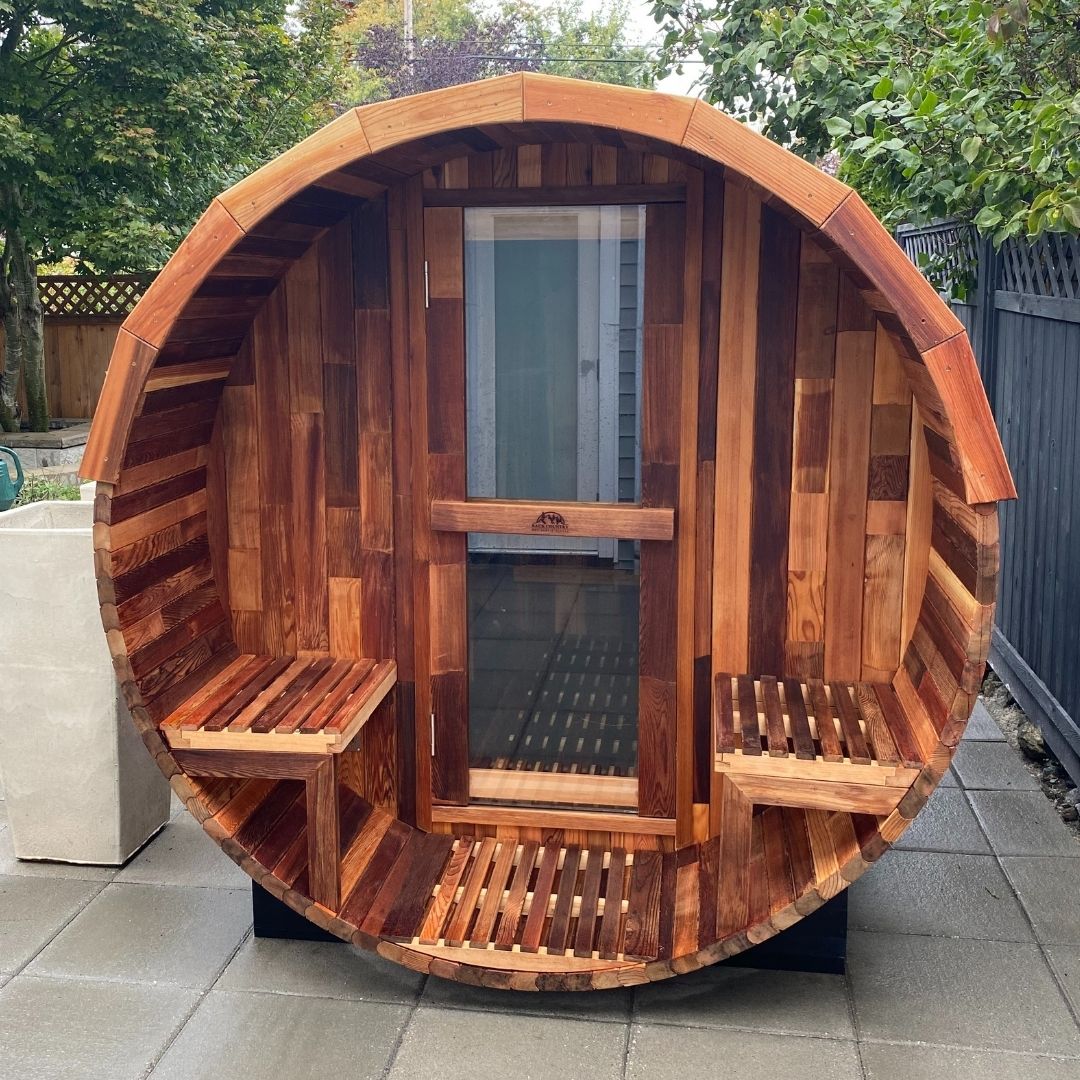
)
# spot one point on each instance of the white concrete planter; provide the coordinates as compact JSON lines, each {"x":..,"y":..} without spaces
{"x":80,"y":786}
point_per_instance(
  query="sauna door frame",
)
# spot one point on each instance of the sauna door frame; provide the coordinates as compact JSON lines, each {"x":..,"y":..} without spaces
{"x":429,"y":254}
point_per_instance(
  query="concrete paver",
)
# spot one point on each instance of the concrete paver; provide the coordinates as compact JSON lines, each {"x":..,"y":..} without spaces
{"x":241,"y":1036}
{"x":658,"y":1053}
{"x":150,"y":933}
{"x":60,"y":1029}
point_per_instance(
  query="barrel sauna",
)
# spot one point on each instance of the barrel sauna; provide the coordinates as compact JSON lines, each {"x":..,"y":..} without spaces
{"x":546,"y":532}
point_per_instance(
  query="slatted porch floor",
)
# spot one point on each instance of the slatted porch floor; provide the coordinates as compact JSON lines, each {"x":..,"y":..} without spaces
{"x":497,"y":903}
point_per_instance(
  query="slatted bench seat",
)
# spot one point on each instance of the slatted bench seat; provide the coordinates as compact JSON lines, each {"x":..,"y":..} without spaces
{"x":279,"y":704}
{"x":280,"y":718}
{"x":831,"y":746}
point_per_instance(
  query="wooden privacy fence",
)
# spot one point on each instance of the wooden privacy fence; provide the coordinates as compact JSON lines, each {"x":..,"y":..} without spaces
{"x":82,"y":317}
{"x":1021,"y":308}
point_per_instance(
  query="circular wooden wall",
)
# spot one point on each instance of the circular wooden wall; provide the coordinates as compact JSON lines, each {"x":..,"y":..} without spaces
{"x":152,"y":451}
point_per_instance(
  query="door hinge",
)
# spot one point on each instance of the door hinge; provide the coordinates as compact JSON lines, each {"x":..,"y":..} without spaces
{"x":432,"y":734}
{"x":427,"y":292}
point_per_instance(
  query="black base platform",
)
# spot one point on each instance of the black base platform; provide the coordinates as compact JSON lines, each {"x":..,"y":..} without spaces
{"x":817,"y":943}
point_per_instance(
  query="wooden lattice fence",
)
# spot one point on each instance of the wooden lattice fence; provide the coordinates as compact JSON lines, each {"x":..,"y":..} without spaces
{"x":82,"y":317}
{"x":1022,"y":311}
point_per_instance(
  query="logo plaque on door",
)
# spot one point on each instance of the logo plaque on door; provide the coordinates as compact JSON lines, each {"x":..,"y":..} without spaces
{"x":550,"y":521}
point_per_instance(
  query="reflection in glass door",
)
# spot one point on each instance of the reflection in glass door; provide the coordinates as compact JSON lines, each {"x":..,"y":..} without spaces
{"x":553,"y":306}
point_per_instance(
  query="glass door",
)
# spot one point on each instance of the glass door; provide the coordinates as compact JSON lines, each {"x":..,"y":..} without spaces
{"x":554,"y":548}
{"x":553,"y":347}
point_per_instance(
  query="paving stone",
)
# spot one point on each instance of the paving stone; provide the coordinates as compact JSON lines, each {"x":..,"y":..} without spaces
{"x":994,"y":766}
{"x":243,"y":1036}
{"x":319,"y":969}
{"x":658,"y":1053}
{"x":982,"y":727}
{"x":1049,"y":889}
{"x":949,"y":779}
{"x":459,"y":1044}
{"x":62,"y":1029}
{"x":944,"y":894}
{"x":883,"y":1061}
{"x":608,"y":1005}
{"x":182,"y":854}
{"x":32,"y":910}
{"x":1023,"y":823}
{"x":35,"y":868}
{"x":945,"y":823}
{"x":995,"y":995}
{"x":1065,"y":960}
{"x":730,"y":997}
{"x":151,"y":933}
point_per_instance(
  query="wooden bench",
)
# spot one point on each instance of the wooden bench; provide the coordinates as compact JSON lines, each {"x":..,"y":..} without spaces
{"x":834,"y":746}
{"x":277,"y":717}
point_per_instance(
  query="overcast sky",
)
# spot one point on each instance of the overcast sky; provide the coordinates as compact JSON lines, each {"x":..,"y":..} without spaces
{"x":644,"y":31}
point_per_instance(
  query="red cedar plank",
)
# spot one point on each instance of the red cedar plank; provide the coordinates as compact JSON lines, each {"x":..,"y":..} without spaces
{"x":295,"y":691}
{"x":774,"y":412}
{"x":797,"y":843}
{"x":907,"y":745}
{"x":641,"y":938}
{"x":748,"y":716}
{"x":725,"y":716}
{"x":826,"y":729}
{"x":885,"y":752}
{"x":774,"y":717}
{"x":735,"y":828}
{"x":665,"y":939}
{"x":708,"y":889}
{"x":262,"y":822}
{"x":158,"y":662}
{"x":399,"y":905}
{"x":309,"y":522}
{"x":341,"y":719}
{"x":333,"y":701}
{"x":854,"y":741}
{"x":781,"y":893}
{"x":558,"y":935}
{"x":242,"y":698}
{"x":198,"y":708}
{"x":758,"y":893}
{"x":545,"y":878}
{"x":590,"y":901}
{"x":432,"y":927}
{"x":254,"y":709}
{"x":356,"y":907}
{"x":324,"y":834}
{"x":608,"y":940}
{"x":800,"y":724}
{"x":313,"y":697}
{"x":288,"y":828}
{"x":231,"y":803}
{"x":458,"y":929}
{"x":489,"y":907}
{"x":356,"y":815}
{"x":506,"y":935}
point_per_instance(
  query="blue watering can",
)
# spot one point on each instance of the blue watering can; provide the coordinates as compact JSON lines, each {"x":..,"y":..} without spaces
{"x":9,"y":491}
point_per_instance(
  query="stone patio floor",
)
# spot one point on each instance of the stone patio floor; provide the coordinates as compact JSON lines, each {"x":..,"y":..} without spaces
{"x":964,"y":962}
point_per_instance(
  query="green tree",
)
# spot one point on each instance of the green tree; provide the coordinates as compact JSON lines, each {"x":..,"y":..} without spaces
{"x":121,"y":119}
{"x":936,"y":109}
{"x":457,"y":41}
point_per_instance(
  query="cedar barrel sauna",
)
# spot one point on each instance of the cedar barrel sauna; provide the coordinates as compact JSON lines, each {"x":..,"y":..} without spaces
{"x":546,"y":532}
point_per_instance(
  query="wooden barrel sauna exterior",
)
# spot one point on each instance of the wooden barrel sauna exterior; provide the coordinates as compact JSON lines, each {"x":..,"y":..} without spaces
{"x":773,"y":587}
